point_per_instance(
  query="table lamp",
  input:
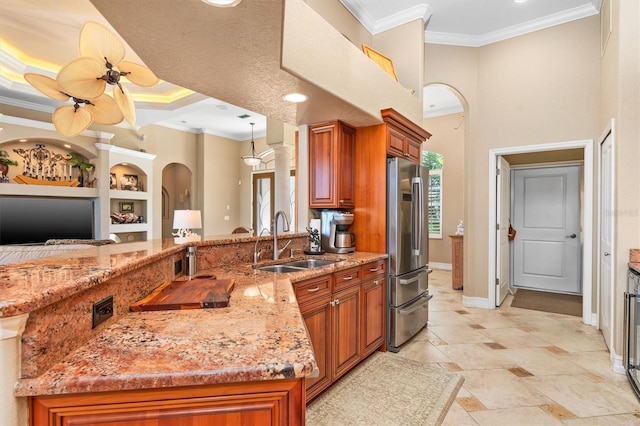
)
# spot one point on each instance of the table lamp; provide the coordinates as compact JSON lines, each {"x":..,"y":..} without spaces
{"x":186,"y":220}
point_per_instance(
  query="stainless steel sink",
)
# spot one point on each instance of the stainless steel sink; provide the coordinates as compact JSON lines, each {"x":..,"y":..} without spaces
{"x":279,"y":268}
{"x":296,"y":265}
{"x":309,"y":263}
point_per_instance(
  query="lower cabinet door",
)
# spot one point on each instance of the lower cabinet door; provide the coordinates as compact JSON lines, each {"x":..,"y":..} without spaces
{"x":373,"y":312}
{"x":346,"y":330}
{"x":317,"y":317}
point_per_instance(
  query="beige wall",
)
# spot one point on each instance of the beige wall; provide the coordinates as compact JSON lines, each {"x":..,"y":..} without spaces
{"x":447,"y":139}
{"x":341,"y":19}
{"x":620,"y":100}
{"x":534,"y":89}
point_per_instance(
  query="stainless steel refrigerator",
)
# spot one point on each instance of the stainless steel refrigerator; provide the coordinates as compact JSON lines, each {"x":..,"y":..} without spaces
{"x":408,"y":247}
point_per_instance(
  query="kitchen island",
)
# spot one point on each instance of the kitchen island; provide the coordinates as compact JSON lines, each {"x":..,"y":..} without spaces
{"x":249,"y":359}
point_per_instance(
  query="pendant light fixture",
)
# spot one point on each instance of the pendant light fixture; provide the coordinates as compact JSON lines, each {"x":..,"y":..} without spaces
{"x":252,"y":159}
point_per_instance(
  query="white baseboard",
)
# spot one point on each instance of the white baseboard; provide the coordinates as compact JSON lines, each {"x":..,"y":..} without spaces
{"x":618,"y":367}
{"x":477,"y":302}
{"x":442,"y":266}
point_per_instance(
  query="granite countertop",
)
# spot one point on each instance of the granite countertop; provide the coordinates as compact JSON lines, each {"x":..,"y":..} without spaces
{"x":260,"y":336}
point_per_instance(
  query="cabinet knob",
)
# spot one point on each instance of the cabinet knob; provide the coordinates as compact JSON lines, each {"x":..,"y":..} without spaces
{"x":341,"y":201}
{"x":375,"y":282}
{"x":332,"y":303}
{"x":337,"y":301}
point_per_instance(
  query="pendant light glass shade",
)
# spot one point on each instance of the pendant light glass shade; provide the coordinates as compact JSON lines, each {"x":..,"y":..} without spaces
{"x":252,"y":159}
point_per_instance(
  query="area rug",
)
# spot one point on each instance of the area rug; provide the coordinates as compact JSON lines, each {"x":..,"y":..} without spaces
{"x":568,"y":304}
{"x":387,"y":389}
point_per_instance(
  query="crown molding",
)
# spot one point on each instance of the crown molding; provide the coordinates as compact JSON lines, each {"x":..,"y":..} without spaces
{"x":374,"y":26}
{"x":514,"y":30}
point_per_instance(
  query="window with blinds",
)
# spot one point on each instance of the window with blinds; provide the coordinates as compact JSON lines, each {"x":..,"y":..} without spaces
{"x":435,"y":203}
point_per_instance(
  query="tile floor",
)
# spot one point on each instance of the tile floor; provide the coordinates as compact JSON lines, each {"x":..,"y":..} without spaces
{"x":521,"y":367}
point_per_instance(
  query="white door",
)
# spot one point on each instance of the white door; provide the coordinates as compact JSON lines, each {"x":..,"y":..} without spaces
{"x":606,"y":236}
{"x":503,"y":206}
{"x":546,"y":216}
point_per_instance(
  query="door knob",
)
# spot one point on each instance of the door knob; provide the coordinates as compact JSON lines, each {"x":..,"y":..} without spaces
{"x":606,"y":253}
{"x":571,"y":236}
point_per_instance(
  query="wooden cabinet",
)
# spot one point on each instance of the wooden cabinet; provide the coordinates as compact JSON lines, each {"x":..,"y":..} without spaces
{"x":396,"y":137}
{"x":273,"y":402}
{"x":331,"y":174}
{"x":404,"y":139}
{"x":345,"y":323}
{"x":457,"y":246}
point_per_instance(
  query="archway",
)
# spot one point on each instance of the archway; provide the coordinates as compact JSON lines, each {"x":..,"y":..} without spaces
{"x":176,"y":194}
{"x":444,"y":112}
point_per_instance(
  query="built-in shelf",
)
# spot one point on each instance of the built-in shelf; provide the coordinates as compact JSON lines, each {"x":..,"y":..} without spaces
{"x":129,"y":195}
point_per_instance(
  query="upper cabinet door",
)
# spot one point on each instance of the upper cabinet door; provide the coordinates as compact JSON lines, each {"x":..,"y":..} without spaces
{"x":331,"y":171}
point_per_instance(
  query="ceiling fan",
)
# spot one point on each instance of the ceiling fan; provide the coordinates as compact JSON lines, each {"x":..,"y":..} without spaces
{"x":85,"y":80}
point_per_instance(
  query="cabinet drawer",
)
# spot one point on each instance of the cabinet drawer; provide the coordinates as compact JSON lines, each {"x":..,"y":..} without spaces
{"x":370,"y":270}
{"x":312,"y":289}
{"x":346,"y":278}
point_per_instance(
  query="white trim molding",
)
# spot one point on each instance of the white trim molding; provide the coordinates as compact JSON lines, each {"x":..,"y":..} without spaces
{"x":587,"y":255}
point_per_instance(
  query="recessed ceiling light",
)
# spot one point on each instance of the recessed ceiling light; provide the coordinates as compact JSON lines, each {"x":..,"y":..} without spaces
{"x":519,"y":1}
{"x":22,"y":140}
{"x":66,"y":145}
{"x":295,"y":97}
{"x":222,"y":3}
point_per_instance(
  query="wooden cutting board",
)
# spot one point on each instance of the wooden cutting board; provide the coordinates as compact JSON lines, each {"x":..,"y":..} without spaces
{"x":197,"y":293}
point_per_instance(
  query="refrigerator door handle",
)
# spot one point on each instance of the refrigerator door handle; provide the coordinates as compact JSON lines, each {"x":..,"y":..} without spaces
{"x":417,"y":219}
{"x":418,"y":305}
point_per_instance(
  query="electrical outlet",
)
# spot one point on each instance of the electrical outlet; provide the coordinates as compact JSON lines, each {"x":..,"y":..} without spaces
{"x":102,"y":311}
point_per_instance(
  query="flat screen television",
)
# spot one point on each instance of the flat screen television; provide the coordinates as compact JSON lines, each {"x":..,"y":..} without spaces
{"x":34,"y":220}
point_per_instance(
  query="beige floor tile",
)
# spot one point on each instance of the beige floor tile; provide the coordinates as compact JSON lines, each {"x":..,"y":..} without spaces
{"x":514,"y":338}
{"x":523,"y":416}
{"x":477,"y":357}
{"x":498,"y":389}
{"x":539,"y":361}
{"x":558,"y":411}
{"x":583,"y":397}
{"x":470,"y":403}
{"x":617,"y":420}
{"x":453,"y":334}
{"x":492,"y":320}
{"x":448,"y":318}
{"x":457,"y":416}
{"x":426,"y":353}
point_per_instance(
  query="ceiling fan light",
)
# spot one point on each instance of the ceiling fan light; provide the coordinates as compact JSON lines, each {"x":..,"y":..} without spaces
{"x":295,"y":97}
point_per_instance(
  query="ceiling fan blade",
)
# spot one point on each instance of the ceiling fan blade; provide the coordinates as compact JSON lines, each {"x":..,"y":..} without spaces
{"x":105,"y":110}
{"x":138,"y":74}
{"x":125,"y":102}
{"x":81,"y":78}
{"x":46,"y":85}
{"x":70,"y":121}
{"x":98,"y":42}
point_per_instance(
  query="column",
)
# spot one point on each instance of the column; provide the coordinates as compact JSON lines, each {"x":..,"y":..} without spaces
{"x":13,"y":411}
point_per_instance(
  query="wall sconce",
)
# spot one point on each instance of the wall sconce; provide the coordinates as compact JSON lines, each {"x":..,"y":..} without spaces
{"x":186,"y":220}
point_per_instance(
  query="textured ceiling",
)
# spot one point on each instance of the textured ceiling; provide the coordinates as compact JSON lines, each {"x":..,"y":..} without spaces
{"x":177,"y":39}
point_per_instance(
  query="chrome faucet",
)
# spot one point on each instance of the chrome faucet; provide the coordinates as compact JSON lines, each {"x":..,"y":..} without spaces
{"x":285,"y":228}
{"x":256,"y":254}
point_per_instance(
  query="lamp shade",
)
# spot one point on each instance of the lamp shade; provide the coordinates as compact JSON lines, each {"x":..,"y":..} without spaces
{"x":187,"y":219}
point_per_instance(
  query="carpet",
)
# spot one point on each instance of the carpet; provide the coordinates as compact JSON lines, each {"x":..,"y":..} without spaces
{"x":387,"y":389}
{"x":568,"y":304}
